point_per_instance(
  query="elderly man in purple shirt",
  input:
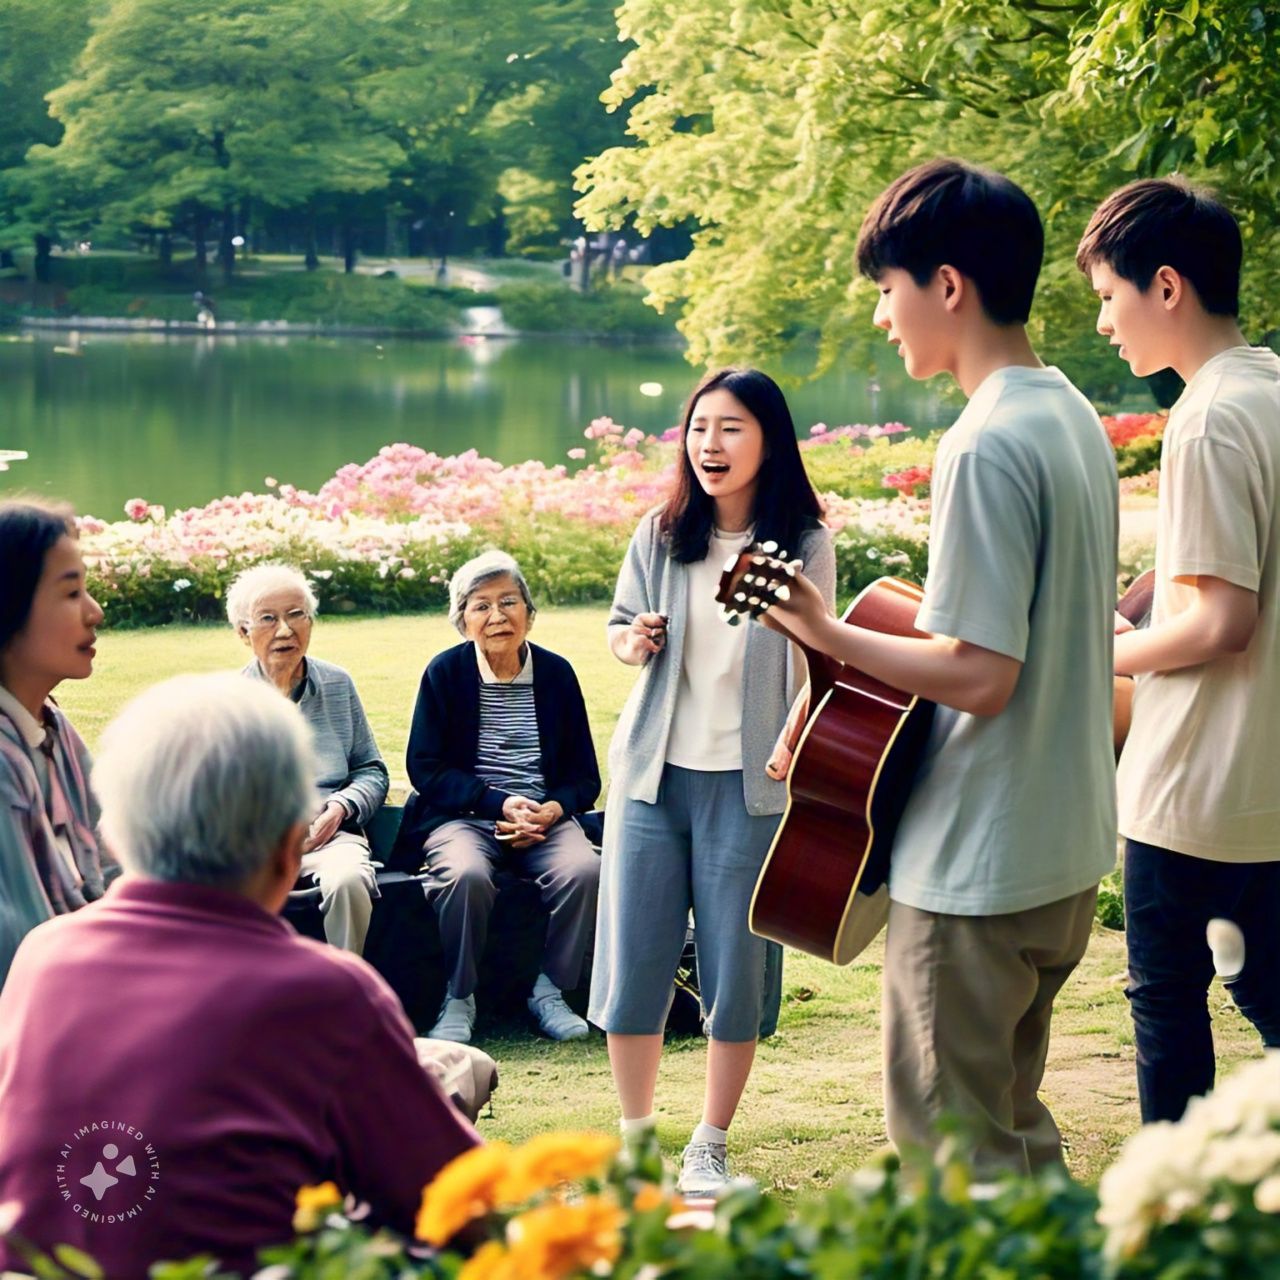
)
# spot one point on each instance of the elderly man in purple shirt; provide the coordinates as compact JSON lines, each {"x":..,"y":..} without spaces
{"x":175,"y":1062}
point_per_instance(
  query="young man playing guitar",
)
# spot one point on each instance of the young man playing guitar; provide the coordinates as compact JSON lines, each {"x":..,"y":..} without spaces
{"x":1011,"y":822}
{"x":1199,"y":800}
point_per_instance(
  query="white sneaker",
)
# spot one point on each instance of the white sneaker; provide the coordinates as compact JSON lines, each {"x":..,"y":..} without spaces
{"x":704,"y":1169}
{"x":455,"y":1021}
{"x":555,"y":1017}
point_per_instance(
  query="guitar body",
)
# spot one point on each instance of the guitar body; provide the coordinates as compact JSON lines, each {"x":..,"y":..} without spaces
{"x":824,"y":884}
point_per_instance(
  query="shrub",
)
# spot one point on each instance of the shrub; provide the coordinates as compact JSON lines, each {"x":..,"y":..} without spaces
{"x":612,"y":310}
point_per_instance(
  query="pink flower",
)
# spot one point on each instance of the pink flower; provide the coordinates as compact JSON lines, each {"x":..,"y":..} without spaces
{"x":818,"y":429}
{"x":577,"y":454}
{"x":136,"y":508}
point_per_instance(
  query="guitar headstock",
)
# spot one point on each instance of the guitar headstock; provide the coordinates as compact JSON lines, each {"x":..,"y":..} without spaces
{"x":754,"y":580}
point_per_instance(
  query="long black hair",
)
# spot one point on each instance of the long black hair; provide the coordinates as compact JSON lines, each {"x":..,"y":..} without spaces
{"x":786,"y":505}
{"x":29,"y":527}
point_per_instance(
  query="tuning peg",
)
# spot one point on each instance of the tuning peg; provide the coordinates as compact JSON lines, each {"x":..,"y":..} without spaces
{"x":770,"y":548}
{"x":758,"y":560}
{"x":782,"y":594}
{"x":740,"y":597}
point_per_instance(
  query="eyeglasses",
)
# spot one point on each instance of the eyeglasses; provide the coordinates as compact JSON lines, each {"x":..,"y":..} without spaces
{"x":508,"y":605}
{"x":295,"y":620}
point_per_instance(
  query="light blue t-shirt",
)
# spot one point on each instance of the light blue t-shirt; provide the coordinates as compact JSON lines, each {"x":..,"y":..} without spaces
{"x":1018,"y":810}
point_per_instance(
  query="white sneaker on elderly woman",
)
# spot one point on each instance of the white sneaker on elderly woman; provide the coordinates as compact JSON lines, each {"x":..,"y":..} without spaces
{"x":555,"y":1018}
{"x":455,"y":1021}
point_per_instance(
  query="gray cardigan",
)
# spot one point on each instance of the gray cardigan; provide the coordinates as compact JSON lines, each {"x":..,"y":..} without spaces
{"x":650,"y":581}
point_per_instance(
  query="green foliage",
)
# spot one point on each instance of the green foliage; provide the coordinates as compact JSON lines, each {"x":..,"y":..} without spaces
{"x":1110,"y":909}
{"x":107,"y":286}
{"x":856,"y":468}
{"x":1139,"y":456}
{"x":774,"y":126}
{"x":612,"y":310}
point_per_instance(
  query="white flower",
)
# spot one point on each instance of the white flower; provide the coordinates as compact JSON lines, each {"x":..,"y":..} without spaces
{"x":181,"y":584}
{"x":323,"y":574}
{"x":1266,"y":1195}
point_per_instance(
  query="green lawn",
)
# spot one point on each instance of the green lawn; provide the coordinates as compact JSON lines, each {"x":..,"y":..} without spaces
{"x":812,"y":1109}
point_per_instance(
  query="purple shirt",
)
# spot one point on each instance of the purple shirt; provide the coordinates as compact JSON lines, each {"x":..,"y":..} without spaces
{"x":175,"y":1063}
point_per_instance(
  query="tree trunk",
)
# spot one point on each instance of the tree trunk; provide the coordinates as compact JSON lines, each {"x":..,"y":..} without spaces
{"x":348,"y":248}
{"x":227,"y":250}
{"x":202,"y":248}
{"x":44,"y":248}
{"x":312,"y":260}
{"x":6,"y":259}
{"x":166,"y":250}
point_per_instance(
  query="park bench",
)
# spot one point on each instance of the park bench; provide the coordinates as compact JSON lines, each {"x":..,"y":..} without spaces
{"x":404,"y":942}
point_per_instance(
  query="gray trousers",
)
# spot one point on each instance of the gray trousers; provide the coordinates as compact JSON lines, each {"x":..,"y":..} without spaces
{"x":348,"y":884}
{"x":967,"y":1003}
{"x":461,"y":858}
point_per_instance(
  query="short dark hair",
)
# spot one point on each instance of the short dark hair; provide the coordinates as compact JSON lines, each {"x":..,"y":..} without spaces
{"x":1167,"y":222}
{"x":29,"y":527}
{"x":947,"y":212}
{"x":786,"y":505}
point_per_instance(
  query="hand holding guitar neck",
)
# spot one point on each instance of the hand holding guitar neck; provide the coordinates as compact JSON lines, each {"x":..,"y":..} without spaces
{"x":762,"y":583}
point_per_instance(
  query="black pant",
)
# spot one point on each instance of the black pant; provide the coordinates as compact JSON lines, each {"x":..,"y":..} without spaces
{"x":1169,"y":899}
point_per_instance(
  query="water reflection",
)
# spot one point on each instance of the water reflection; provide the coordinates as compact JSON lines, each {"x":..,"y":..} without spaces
{"x":184,"y":420}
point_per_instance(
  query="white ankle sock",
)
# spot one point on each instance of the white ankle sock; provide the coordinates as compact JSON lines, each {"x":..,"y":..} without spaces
{"x":709,"y":1133}
{"x":635,"y":1128}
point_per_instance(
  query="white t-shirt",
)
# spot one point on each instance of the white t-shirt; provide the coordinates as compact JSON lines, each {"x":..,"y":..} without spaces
{"x":706,"y":732}
{"x":1199,"y":773}
{"x":1017,"y":810}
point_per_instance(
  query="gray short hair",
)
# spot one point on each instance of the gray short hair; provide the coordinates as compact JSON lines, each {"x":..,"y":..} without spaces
{"x":475,"y":573}
{"x":200,"y":777}
{"x":249,"y":586}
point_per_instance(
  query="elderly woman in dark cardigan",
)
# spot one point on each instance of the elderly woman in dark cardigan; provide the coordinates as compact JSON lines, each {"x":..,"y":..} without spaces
{"x":501,"y":759}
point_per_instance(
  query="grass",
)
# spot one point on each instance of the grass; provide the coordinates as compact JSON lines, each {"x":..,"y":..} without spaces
{"x":812,"y":1110}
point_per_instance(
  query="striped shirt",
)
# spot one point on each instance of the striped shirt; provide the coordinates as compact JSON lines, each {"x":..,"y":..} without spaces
{"x":509,"y":751}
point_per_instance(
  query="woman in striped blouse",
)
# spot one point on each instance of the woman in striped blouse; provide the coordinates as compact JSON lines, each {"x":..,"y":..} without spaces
{"x":501,"y":759}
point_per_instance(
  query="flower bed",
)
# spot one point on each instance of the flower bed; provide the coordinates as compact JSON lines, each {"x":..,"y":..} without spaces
{"x":383,"y":536}
{"x":1193,"y":1201}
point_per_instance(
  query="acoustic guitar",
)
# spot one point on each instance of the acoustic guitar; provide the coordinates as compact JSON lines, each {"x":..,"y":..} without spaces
{"x":824,"y":884}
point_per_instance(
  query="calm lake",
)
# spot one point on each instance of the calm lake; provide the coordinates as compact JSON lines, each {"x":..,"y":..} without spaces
{"x":181,"y":421}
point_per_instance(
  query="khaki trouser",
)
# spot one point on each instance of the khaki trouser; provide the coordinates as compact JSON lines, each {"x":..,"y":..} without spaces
{"x":347,"y":881}
{"x":966,"y":1027}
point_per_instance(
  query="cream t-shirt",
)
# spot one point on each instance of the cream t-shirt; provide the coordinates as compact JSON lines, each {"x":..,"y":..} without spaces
{"x":1199,"y":770}
{"x":706,"y":732}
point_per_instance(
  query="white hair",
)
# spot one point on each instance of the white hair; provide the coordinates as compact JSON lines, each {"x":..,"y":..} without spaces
{"x":475,"y":573}
{"x":249,"y":586}
{"x":200,"y":777}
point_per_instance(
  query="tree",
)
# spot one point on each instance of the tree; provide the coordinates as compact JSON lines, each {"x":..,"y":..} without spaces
{"x":39,"y":41}
{"x":178,"y":114}
{"x":774,"y":125}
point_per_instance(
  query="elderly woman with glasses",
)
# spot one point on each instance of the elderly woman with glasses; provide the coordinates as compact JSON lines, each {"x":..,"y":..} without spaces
{"x":272,"y":608}
{"x":501,"y":759}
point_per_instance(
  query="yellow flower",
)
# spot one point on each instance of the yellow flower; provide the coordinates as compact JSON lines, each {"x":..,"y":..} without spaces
{"x":553,"y":1158}
{"x":464,"y":1189}
{"x":558,"y":1240}
{"x":489,"y":1262}
{"x":312,"y":1203}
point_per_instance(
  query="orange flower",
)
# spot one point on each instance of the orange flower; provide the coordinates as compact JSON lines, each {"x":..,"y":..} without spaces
{"x":311,"y":1205}
{"x":651,"y":1196}
{"x":553,"y":1158}
{"x":559,"y":1240}
{"x":464,"y":1189}
{"x":489,"y":1262}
